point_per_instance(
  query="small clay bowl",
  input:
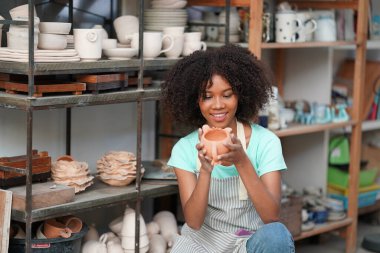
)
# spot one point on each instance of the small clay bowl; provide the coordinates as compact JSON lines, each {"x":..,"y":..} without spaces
{"x":55,"y":229}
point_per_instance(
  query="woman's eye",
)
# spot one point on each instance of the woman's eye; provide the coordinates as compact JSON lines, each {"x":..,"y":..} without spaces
{"x":228,"y":95}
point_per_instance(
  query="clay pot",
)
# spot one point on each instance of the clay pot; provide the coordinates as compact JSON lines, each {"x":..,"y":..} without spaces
{"x":73,"y":223}
{"x":55,"y":229}
{"x":213,"y":140}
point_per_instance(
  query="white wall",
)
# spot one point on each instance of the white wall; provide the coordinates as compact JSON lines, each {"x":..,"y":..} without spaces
{"x":95,"y":130}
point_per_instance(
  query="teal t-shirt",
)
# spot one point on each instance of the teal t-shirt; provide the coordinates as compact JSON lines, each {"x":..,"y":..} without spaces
{"x":264,"y":150}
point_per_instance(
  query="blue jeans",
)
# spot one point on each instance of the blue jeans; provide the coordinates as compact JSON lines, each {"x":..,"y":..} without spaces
{"x":271,"y":238}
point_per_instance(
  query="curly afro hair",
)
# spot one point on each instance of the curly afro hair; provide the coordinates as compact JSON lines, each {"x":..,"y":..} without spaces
{"x":187,"y":81}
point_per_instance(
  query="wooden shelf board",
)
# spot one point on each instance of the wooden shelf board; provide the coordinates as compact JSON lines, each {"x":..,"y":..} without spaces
{"x":307,"y":44}
{"x":368,"y":125}
{"x":242,"y":3}
{"x":298,"y":129}
{"x":65,"y":101}
{"x":370,"y":209}
{"x":313,"y":44}
{"x":323,"y":228}
{"x":371,"y":45}
{"x":160,"y":63}
{"x":98,"y":195}
{"x":323,"y":4}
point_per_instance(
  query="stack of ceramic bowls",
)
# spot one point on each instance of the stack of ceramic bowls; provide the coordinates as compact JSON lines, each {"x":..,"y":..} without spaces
{"x":53,"y":35}
{"x":168,"y":4}
{"x":18,"y":35}
{"x":234,"y":34}
{"x":117,"y":168}
{"x":158,"y":19}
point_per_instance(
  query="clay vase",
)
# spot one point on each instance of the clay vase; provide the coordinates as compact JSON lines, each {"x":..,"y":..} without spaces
{"x":213,"y":139}
{"x":55,"y":229}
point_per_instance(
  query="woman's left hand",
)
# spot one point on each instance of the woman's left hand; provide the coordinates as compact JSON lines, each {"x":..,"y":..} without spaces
{"x":236,"y":153}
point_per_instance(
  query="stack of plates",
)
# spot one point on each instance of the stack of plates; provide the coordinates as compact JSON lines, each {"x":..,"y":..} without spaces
{"x":168,"y":4}
{"x":157,"y":19}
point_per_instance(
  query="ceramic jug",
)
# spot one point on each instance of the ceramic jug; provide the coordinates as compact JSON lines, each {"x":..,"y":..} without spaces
{"x":213,"y":140}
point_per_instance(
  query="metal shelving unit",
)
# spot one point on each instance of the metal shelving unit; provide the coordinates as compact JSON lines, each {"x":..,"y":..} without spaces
{"x":96,"y":196}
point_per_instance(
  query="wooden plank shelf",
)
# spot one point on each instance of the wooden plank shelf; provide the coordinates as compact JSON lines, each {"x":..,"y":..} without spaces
{"x":273,"y":45}
{"x":96,"y":196}
{"x":299,"y":129}
{"x":220,"y":3}
{"x":323,"y":228}
{"x":23,"y":102}
{"x":160,"y":63}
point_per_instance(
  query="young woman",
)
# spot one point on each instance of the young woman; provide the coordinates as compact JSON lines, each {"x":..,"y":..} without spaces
{"x":227,"y":208}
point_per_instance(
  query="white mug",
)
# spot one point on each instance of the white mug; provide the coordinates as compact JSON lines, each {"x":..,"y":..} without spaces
{"x":308,"y":24}
{"x":125,"y":26}
{"x":177,"y":48}
{"x":152,"y":43}
{"x":88,"y":43}
{"x":191,"y":46}
{"x":287,"y":26}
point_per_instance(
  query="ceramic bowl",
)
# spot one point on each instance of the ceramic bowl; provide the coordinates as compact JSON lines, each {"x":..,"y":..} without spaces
{"x":52,"y":41}
{"x":120,"y":53}
{"x":55,"y":27}
{"x":21,"y":11}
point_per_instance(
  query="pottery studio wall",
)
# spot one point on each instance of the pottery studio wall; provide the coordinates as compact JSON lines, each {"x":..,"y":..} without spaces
{"x":95,"y":129}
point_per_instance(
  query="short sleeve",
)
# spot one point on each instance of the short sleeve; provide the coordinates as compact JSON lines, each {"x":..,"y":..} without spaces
{"x":270,"y":157}
{"x":183,"y":155}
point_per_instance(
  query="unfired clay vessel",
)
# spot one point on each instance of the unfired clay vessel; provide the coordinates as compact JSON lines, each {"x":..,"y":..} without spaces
{"x":214,"y":139}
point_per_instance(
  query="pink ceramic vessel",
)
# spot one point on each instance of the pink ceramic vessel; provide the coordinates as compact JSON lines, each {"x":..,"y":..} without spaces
{"x":213,"y":140}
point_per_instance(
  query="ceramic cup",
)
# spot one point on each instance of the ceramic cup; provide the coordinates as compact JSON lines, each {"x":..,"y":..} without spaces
{"x":109,"y":43}
{"x":309,"y":25}
{"x":153,"y":43}
{"x":177,"y":48}
{"x":190,"y":47}
{"x":174,"y":30}
{"x":88,"y":43}
{"x":213,"y":140}
{"x":125,"y":26}
{"x":287,"y":26}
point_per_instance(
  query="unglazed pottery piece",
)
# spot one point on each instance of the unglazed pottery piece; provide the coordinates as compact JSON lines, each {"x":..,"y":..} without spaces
{"x":168,"y":225}
{"x":72,"y":222}
{"x":55,"y":229}
{"x":213,"y":140}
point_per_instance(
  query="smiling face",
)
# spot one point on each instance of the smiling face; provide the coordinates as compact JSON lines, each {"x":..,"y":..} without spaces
{"x":219,"y":103}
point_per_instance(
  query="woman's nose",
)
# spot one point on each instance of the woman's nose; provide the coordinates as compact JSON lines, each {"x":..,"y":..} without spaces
{"x":218,"y":103}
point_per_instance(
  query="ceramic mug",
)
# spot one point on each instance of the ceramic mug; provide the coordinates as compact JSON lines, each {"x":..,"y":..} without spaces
{"x":177,"y":48}
{"x":153,"y":43}
{"x":287,"y":26}
{"x":88,"y":43}
{"x":190,"y":47}
{"x":308,"y":24}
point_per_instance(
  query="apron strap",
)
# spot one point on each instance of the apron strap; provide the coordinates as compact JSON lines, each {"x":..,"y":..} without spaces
{"x":243,"y":195}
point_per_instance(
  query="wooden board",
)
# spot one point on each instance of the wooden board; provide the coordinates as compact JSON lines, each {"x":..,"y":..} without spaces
{"x":102,"y":78}
{"x":5,"y":218}
{"x":40,"y":89}
{"x":133,"y":81}
{"x":41,"y":163}
{"x":43,"y":195}
{"x":4,"y":77}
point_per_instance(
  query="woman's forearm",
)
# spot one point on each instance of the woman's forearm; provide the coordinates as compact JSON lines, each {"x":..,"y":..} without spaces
{"x":196,"y":207}
{"x":266,"y":203}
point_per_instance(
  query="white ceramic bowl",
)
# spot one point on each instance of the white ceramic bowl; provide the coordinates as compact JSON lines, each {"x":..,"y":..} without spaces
{"x":120,"y":53}
{"x":21,"y":11}
{"x":52,"y":41}
{"x":55,"y":27}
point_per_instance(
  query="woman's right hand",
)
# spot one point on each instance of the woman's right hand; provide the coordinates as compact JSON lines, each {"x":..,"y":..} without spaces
{"x":206,"y":165}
